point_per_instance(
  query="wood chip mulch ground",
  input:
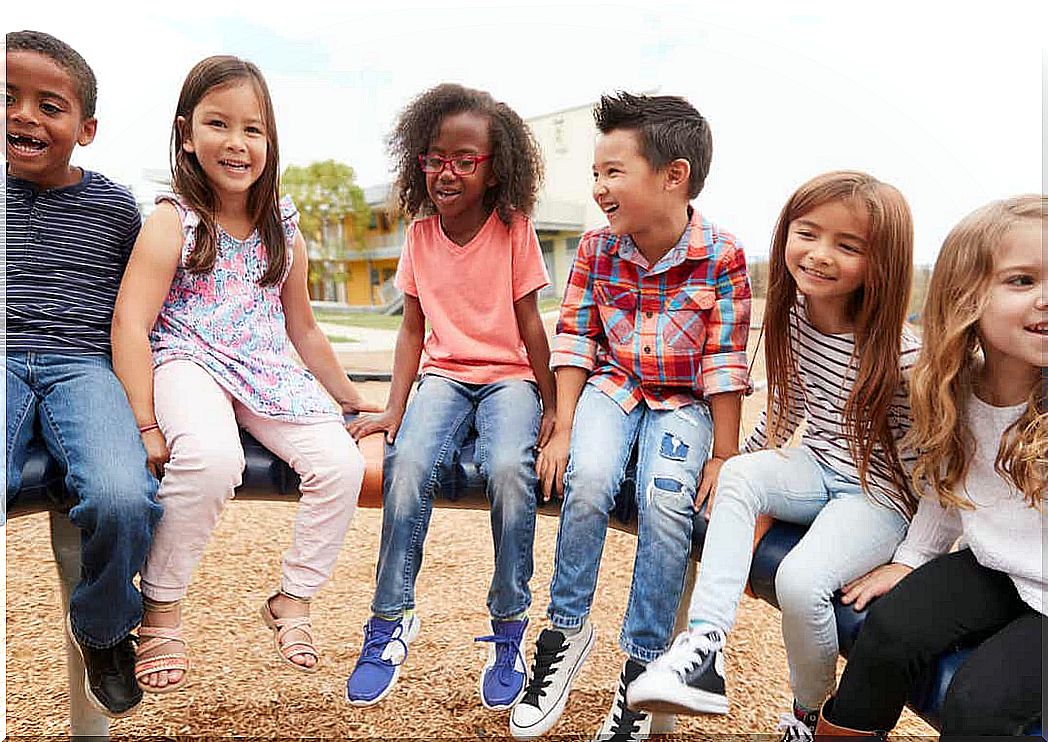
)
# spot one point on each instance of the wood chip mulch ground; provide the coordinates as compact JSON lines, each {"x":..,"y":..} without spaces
{"x":240,"y":688}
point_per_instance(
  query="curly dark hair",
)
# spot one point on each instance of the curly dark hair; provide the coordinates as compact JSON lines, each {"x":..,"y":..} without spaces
{"x":668,"y":128}
{"x":65,"y":57}
{"x":516,"y":159}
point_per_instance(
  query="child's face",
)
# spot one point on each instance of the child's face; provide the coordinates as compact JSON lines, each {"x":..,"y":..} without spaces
{"x":227,"y":134}
{"x":1015,"y":321}
{"x":826,"y":250}
{"x":461,"y":197}
{"x":44,"y":120}
{"x":625,"y":185}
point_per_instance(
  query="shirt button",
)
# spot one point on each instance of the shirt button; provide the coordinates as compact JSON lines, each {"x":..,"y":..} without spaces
{"x":647,"y":349}
{"x":648,"y":315}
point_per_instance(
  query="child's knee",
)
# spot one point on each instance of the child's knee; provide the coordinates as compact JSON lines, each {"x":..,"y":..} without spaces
{"x":801,"y":587}
{"x":589,"y":477}
{"x":216,"y":463}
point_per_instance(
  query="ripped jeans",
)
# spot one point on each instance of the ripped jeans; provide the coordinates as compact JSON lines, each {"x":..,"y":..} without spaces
{"x":671,"y":449}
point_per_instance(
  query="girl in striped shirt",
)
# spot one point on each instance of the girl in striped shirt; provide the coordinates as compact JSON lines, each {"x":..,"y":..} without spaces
{"x":836,"y":357}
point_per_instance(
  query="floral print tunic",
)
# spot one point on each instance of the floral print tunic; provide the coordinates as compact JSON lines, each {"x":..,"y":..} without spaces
{"x":224,"y":321}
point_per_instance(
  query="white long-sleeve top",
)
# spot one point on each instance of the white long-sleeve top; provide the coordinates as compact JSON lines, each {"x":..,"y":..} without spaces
{"x":1004,"y":533}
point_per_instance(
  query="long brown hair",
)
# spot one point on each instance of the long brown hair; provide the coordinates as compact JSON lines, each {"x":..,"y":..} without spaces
{"x":190,"y":182}
{"x":878,"y":310}
{"x":950,"y":358}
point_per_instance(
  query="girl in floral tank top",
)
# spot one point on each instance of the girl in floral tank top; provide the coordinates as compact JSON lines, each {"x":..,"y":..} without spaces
{"x":214,"y":290}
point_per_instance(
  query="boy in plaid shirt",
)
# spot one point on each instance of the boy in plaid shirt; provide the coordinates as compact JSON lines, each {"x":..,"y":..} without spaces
{"x":650,"y":360}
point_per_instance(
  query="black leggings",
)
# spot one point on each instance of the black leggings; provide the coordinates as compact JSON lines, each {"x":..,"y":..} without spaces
{"x":949,"y":600}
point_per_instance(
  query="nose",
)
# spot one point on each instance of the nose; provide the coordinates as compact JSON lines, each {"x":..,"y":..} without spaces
{"x":820,"y":252}
{"x":599,"y":187}
{"x":236,"y":141}
{"x":21,"y":111}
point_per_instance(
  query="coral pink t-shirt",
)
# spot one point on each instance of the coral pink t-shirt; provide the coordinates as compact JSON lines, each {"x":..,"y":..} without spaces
{"x":467,"y":293}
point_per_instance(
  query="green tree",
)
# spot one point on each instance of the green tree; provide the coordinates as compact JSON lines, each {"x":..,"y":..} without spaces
{"x":326,"y":192}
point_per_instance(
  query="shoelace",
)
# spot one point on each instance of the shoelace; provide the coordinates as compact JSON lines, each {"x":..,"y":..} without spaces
{"x":688,"y":651}
{"x":793,"y":728}
{"x":505,"y":660}
{"x":545,"y":659}
{"x":375,"y":643}
{"x":626,"y":722}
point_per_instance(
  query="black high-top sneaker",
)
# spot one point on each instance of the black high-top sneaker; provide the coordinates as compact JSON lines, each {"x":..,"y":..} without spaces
{"x":623,"y":724}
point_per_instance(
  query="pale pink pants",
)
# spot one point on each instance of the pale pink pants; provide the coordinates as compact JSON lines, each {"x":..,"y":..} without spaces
{"x":199,"y":420}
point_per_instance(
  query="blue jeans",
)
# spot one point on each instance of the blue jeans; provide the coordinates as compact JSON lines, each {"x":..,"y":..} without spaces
{"x":86,"y":423}
{"x":849,"y":535}
{"x":671,"y":449}
{"x":441,"y":415}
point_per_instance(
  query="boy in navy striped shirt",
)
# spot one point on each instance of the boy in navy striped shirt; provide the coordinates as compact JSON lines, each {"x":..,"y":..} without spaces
{"x":69,"y":235}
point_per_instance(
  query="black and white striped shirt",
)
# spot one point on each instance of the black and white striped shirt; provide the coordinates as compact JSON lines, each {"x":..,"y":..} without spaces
{"x":826,"y":366}
{"x":66,"y":253}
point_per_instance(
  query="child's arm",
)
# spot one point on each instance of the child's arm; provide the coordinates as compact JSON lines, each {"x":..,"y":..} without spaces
{"x":724,"y":374}
{"x":146,"y":282}
{"x":529,"y":321}
{"x":576,"y":346}
{"x":406,"y":359}
{"x":726,"y":411}
{"x":309,"y":340}
{"x":553,"y":458}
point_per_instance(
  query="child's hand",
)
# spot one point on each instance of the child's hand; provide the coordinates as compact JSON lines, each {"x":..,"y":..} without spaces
{"x":365,"y":425}
{"x":359,"y":404}
{"x":708,"y":484}
{"x":546,"y":427}
{"x":552,"y":461}
{"x":156,"y":451}
{"x":873,"y":584}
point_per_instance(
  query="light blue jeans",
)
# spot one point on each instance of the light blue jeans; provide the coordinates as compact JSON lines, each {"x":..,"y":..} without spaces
{"x":671,"y":447}
{"x":441,"y":415}
{"x":849,"y":535}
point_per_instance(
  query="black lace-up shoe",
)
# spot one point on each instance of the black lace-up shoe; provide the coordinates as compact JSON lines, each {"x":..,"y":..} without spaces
{"x":109,"y":676}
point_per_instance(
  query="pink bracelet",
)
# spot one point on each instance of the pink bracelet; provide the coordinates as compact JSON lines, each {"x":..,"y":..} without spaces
{"x":147,"y":428}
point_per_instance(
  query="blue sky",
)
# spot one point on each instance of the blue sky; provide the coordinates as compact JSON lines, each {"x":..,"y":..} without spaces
{"x":947,"y":105}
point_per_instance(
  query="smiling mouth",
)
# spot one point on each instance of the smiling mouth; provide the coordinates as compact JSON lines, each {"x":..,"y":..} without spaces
{"x":26,"y":144}
{"x":609,"y":209}
{"x":444,"y":194}
{"x":1041,"y":328}
{"x":235,"y":166}
{"x":817,"y":273}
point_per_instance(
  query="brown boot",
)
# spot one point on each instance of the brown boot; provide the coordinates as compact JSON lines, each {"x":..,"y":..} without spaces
{"x":825,"y":729}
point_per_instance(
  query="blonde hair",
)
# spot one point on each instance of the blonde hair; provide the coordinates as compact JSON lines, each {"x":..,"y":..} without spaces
{"x":878,"y":309}
{"x":950,"y":357}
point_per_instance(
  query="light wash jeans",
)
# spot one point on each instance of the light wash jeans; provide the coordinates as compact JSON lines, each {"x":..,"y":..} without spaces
{"x":86,"y":423}
{"x":671,"y":448}
{"x":849,"y":535}
{"x":506,"y":416}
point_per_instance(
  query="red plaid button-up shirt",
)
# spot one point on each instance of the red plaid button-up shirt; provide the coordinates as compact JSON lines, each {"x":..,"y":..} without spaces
{"x":667,"y":334}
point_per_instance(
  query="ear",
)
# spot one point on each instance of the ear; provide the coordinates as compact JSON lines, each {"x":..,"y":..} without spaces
{"x":677,"y":174}
{"x":184,"y":130}
{"x":86,"y":135}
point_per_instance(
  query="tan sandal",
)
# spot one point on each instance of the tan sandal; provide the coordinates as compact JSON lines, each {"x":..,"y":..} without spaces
{"x":151,"y":637}
{"x":281,"y":626}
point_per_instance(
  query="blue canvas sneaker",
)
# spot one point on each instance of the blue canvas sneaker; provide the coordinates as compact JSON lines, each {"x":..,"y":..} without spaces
{"x":383,"y":654}
{"x":505,"y":674}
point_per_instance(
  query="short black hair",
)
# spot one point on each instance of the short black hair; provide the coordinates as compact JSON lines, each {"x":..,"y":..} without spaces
{"x":668,"y":128}
{"x":65,"y":57}
{"x":516,"y":158}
